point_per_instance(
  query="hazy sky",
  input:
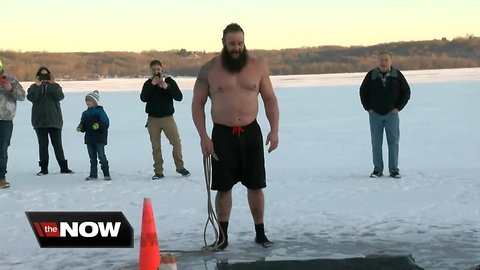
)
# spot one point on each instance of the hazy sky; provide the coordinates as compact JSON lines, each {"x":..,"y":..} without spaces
{"x":126,"y":25}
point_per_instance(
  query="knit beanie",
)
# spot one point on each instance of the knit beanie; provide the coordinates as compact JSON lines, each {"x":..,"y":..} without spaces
{"x":93,"y":96}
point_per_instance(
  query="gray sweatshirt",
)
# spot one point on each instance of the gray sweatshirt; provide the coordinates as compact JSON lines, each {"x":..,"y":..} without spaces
{"x":8,"y":100}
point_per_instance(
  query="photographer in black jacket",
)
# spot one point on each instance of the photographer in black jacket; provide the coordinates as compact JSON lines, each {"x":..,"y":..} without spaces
{"x":159,"y":94}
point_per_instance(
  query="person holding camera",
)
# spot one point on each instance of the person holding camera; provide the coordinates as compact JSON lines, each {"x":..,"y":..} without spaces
{"x":11,"y":91}
{"x":45,"y":95}
{"x":158,"y":94}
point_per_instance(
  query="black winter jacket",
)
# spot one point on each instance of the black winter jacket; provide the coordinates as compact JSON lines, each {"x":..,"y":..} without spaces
{"x":383,"y":93}
{"x":160,"y":101}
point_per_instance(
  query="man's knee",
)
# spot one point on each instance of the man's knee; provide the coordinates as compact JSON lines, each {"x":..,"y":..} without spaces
{"x":255,"y":192}
{"x":224,"y":194}
{"x":175,"y":142}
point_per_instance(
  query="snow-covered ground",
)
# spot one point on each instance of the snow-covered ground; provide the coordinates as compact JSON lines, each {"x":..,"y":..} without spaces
{"x":320,"y":202}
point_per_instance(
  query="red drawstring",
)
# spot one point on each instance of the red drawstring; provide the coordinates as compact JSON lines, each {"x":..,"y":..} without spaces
{"x":237,"y":131}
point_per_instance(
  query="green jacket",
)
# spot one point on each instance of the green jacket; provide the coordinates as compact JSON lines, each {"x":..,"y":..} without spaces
{"x":46,"y":111}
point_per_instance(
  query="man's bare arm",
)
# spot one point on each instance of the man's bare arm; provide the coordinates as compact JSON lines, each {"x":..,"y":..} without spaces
{"x":271,"y":109}
{"x":200,"y":95}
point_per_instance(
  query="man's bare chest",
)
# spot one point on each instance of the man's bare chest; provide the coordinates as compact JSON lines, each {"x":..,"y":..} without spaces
{"x":222,"y":82}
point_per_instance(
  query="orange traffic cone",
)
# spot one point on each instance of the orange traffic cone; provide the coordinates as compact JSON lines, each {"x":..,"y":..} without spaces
{"x":149,"y":250}
{"x":169,"y":262}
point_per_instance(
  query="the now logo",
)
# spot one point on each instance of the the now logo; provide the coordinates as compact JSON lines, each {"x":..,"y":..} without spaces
{"x":81,"y":229}
{"x":74,"y":229}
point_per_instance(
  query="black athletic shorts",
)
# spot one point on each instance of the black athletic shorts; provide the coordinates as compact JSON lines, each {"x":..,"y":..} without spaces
{"x":240,"y":157}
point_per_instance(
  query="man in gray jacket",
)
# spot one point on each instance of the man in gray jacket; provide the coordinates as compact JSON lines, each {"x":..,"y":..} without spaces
{"x":10,"y":92}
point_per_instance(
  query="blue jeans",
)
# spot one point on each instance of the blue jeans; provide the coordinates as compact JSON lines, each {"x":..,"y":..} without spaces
{"x":94,"y":151}
{"x":6,"y":129}
{"x":391,"y":123}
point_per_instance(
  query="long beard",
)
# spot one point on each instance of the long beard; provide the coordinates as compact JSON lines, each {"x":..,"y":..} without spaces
{"x":231,"y":64}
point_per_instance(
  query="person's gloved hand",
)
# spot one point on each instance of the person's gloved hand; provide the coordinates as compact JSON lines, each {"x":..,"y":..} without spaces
{"x":95,"y":126}
{"x":79,"y":128}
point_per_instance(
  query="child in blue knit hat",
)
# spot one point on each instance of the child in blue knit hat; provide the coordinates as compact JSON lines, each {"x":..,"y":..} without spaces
{"x":94,"y":123}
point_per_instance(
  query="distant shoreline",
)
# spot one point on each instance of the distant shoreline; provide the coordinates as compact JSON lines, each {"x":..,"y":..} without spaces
{"x":278,"y":81}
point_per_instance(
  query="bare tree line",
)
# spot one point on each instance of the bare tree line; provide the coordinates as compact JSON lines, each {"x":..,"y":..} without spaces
{"x":414,"y":55}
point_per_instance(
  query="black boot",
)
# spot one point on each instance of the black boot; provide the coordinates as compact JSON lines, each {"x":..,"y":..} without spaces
{"x":64,"y":167}
{"x":43,"y":168}
{"x":223,"y":235}
{"x":222,"y":241}
{"x":106,"y":173}
{"x":260,"y":237}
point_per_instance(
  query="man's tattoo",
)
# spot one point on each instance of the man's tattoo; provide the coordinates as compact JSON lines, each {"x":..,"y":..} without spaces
{"x":202,"y":77}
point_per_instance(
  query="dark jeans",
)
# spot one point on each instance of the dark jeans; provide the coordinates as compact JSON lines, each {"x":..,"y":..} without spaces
{"x":94,"y":151}
{"x":6,"y":129}
{"x":55,"y":138}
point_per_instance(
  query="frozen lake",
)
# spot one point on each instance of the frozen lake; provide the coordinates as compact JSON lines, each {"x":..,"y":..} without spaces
{"x":320,"y":202}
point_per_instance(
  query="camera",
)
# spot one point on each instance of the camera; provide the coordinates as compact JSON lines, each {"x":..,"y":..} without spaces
{"x":44,"y":77}
{"x":159,"y":75}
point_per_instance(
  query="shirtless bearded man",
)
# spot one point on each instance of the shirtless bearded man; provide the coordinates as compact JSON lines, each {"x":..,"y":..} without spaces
{"x":233,"y":80}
